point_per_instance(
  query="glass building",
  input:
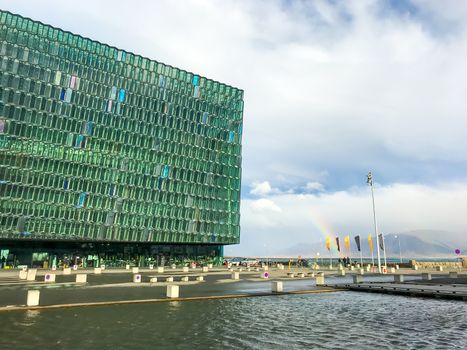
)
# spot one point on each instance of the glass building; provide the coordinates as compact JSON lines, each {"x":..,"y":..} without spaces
{"x":106,"y":155}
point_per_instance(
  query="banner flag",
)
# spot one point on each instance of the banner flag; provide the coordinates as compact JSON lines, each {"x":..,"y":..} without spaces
{"x":381,"y":241}
{"x":347,"y":242}
{"x":370,"y":242}
{"x":328,"y":243}
{"x":338,"y":245}
{"x":357,"y":242}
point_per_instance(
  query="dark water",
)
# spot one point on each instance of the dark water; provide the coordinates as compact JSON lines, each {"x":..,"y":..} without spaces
{"x":343,"y":320}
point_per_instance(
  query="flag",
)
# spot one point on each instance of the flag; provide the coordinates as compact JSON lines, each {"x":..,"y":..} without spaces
{"x":347,"y":242}
{"x":369,"y":179}
{"x":357,"y":242}
{"x":370,"y":242}
{"x":338,"y":245}
{"x":328,"y":243}
{"x":381,"y":241}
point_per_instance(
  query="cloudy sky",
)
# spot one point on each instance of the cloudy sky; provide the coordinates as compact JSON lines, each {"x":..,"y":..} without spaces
{"x":332,"y":90}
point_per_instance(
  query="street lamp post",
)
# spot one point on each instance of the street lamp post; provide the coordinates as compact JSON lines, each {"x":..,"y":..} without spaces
{"x":370,"y":182}
{"x":400,"y":251}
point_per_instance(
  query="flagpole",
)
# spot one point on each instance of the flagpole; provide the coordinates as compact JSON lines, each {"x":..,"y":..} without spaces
{"x":361,"y":259}
{"x":384,"y":251}
{"x":370,"y":182}
{"x":372,"y":258}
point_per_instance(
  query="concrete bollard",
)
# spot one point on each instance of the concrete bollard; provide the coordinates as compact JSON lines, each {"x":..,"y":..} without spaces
{"x":392,"y":270}
{"x":200,"y":278}
{"x":31,"y":275}
{"x":185,"y":269}
{"x":173,"y":266}
{"x":184,"y":279}
{"x":453,"y":274}
{"x":277,"y":286}
{"x":399,"y":278}
{"x":301,"y":275}
{"x":160,"y":269}
{"x":127,"y":267}
{"x":97,"y":270}
{"x":291,"y":275}
{"x":137,"y":278}
{"x":280,"y":267}
{"x":397,"y":267}
{"x":134,"y":270}
{"x":153,"y":280}
{"x":169,"y":279}
{"x":81,"y":278}
{"x":368,"y":268}
{"x":49,"y":278}
{"x":23,"y":275}
{"x":172,"y":291}
{"x":102,"y":267}
{"x":248,"y":269}
{"x":361,"y":272}
{"x":319,"y":280}
{"x":67,"y":271}
{"x":240,"y":269}
{"x":209,"y":266}
{"x":54,"y":267}
{"x":206,"y":268}
{"x":33,"y":298}
{"x":341,"y":273}
{"x":358,"y":266}
{"x":235,"y":275}
{"x":75,"y":267}
{"x":415,"y":267}
{"x":151,"y":267}
{"x":310,"y":274}
{"x":265,"y":268}
{"x":439,"y":268}
{"x":426,"y":276}
{"x":357,"y":279}
{"x":352,"y":268}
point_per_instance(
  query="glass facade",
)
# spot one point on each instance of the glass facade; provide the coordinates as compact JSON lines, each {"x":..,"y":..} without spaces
{"x":101,"y":145}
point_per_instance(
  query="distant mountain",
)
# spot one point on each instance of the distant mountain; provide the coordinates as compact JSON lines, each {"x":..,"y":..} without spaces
{"x":411,"y":246}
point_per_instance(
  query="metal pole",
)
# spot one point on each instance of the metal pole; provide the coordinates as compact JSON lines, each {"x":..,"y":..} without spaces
{"x":384,"y":252}
{"x":372,"y":259}
{"x":370,"y":181}
{"x":361,"y":259}
{"x":400,"y":251}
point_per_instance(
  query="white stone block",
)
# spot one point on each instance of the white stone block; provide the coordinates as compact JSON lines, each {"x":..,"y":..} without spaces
{"x":173,"y":266}
{"x":265,"y":268}
{"x":415,"y":267}
{"x":235,"y":275}
{"x":453,"y":274}
{"x":352,"y":268}
{"x":33,"y":298}
{"x":81,"y":278}
{"x":169,"y":279}
{"x":439,"y":268}
{"x":102,"y":267}
{"x":397,"y":267}
{"x":75,"y":267}
{"x":206,"y":268}
{"x":209,"y":266}
{"x":49,"y":278}
{"x":341,"y":273}
{"x":137,"y":278}
{"x":67,"y":271}
{"x":368,"y":268}
{"x":319,"y":280}
{"x":31,"y":275}
{"x":361,"y":271}
{"x":184,"y":279}
{"x":172,"y":291}
{"x":399,"y":278}
{"x":97,"y":271}
{"x":134,"y":270}
{"x":240,"y":269}
{"x":358,"y":266}
{"x":277,"y":286}
{"x":54,"y":267}
{"x":280,"y":266}
{"x":185,"y":269}
{"x":426,"y":276}
{"x":200,"y":278}
{"x":151,"y":267}
{"x":153,"y":280}
{"x":23,"y":275}
{"x":127,"y":267}
{"x":392,"y":269}
{"x":357,"y":279}
{"x":160,"y":269}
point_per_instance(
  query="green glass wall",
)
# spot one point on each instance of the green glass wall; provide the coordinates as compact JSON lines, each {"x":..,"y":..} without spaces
{"x":101,"y":144}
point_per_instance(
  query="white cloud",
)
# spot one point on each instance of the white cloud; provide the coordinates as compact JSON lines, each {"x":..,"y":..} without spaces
{"x":314,"y":186}
{"x":264,"y":205}
{"x":261,"y":188}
